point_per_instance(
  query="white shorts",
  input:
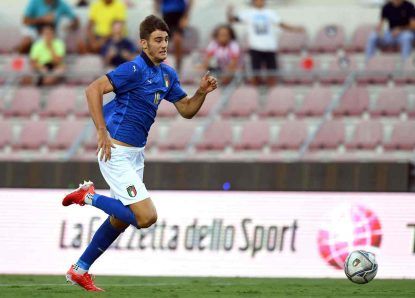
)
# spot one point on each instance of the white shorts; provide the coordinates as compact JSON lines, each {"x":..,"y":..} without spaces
{"x":124,"y":174}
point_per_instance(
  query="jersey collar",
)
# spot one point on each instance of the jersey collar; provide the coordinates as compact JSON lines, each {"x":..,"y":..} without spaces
{"x":146,"y":59}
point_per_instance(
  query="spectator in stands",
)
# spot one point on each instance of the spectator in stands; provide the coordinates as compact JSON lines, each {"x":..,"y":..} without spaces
{"x":262,"y":37}
{"x":118,"y":49}
{"x":400,"y":15}
{"x":44,"y":12}
{"x":223,"y":54}
{"x":102,"y":14}
{"x":47,"y":57}
{"x":176,"y":15}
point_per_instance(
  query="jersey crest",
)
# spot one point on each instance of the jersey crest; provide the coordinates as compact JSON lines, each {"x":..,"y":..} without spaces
{"x":166,"y":80}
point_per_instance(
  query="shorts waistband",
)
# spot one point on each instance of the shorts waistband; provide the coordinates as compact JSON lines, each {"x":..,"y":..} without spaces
{"x":128,"y":149}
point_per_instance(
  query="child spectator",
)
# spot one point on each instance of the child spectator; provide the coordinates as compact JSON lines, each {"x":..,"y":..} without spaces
{"x":46,"y":57}
{"x":262,"y":37}
{"x":44,"y":12}
{"x":223,"y":53}
{"x":118,"y":49}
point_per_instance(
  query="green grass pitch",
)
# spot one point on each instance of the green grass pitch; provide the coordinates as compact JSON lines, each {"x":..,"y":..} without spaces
{"x":55,"y":286}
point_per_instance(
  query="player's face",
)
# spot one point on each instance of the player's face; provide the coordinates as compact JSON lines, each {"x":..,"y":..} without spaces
{"x":156,"y":46}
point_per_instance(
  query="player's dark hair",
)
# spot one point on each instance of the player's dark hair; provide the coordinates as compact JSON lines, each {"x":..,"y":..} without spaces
{"x":151,"y":24}
{"x":232,"y":33}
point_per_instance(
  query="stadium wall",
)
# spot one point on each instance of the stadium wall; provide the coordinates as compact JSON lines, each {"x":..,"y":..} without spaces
{"x":253,"y":234}
{"x":253,"y":176}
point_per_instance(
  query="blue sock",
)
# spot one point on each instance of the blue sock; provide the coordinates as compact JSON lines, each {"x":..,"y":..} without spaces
{"x":114,"y":207}
{"x":103,"y":238}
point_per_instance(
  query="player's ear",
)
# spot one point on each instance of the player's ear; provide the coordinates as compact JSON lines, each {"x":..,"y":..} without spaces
{"x":144,"y":44}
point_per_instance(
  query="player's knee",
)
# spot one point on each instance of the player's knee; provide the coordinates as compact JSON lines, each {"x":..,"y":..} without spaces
{"x":147,"y":220}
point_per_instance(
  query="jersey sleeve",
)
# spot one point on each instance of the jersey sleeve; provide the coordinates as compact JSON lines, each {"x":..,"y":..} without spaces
{"x":176,"y":92}
{"x":125,"y":77}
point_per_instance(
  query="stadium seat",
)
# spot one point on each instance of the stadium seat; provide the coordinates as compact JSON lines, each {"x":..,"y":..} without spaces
{"x":25,"y":102}
{"x":330,"y":38}
{"x":10,"y":37}
{"x":291,"y":136}
{"x":243,"y":102}
{"x":406,"y":75}
{"x":90,"y":142}
{"x":339,"y":69}
{"x":403,"y":137}
{"x":6,"y":136}
{"x":292,"y":42}
{"x":353,"y":103}
{"x":210,"y":102}
{"x":280,"y":102}
{"x":329,"y":136}
{"x":33,"y":135}
{"x":66,"y":135}
{"x":367,"y":135}
{"x":360,"y":37}
{"x":153,"y":136}
{"x":255,"y":135}
{"x":295,"y":73}
{"x":315,"y":102}
{"x":378,"y":70}
{"x":217,"y":136}
{"x":390,"y":102}
{"x":166,"y":110}
{"x":61,"y":102}
{"x":85,"y":69}
{"x":178,"y":136}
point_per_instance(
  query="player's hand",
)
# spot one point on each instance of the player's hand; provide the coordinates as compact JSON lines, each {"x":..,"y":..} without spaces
{"x":104,"y":145}
{"x":208,"y":83}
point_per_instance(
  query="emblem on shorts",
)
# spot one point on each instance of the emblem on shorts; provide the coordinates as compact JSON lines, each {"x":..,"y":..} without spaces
{"x":132,"y":192}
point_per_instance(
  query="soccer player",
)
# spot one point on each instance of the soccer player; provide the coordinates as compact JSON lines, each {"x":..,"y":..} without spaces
{"x":122,"y":128}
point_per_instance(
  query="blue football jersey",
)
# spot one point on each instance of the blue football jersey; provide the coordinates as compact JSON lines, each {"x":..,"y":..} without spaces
{"x":139,"y":86}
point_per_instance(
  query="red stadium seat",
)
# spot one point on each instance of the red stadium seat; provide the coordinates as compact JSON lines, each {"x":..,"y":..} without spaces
{"x":210,"y":102}
{"x":33,"y":135}
{"x":367,"y":135}
{"x":330,"y":38}
{"x":295,"y":72}
{"x":85,"y":69}
{"x":25,"y":102}
{"x":66,"y":135}
{"x":179,"y":135}
{"x":403,"y":137}
{"x":10,"y":37}
{"x":406,"y":75}
{"x":390,"y":102}
{"x":339,"y":69}
{"x":255,"y":135}
{"x":217,"y":136}
{"x":360,"y":37}
{"x":166,"y":110}
{"x":353,"y":103}
{"x":378,"y":70}
{"x":60,"y":103}
{"x":6,"y":136}
{"x":291,"y":136}
{"x":242,"y":103}
{"x":280,"y":102}
{"x":315,"y":102}
{"x":330,"y":136}
{"x":153,"y":136}
{"x":292,"y":42}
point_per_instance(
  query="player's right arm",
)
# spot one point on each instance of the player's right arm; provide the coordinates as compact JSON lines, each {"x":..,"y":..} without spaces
{"x":94,"y":95}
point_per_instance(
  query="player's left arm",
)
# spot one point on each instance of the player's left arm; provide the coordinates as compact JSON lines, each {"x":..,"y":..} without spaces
{"x":189,"y":106}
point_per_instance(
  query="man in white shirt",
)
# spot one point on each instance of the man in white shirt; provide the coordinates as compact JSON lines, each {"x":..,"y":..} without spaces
{"x":262,"y":36}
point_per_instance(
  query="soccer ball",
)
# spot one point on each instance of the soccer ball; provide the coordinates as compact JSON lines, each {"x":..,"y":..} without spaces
{"x":361,"y":266}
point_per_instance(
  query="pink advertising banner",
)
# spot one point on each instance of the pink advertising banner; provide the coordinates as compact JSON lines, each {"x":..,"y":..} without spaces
{"x":252,"y":234}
